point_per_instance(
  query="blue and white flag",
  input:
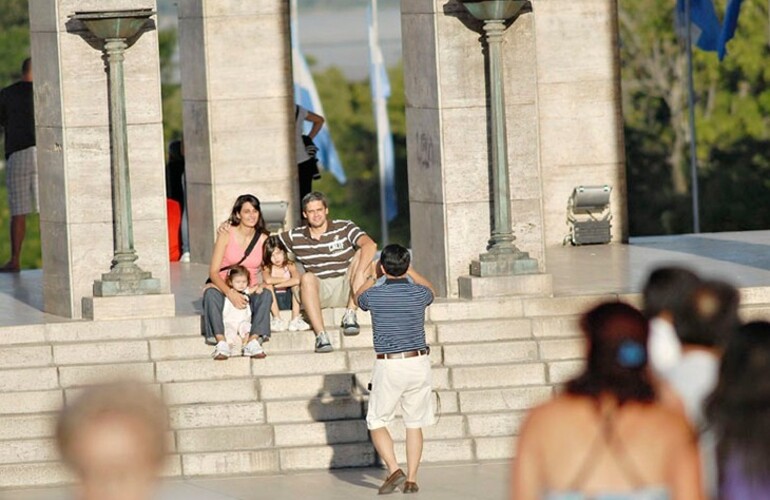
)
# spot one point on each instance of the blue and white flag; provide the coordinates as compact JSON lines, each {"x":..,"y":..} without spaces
{"x":306,"y":95}
{"x":380,"y":86}
{"x":728,"y":28}
{"x":704,"y":23}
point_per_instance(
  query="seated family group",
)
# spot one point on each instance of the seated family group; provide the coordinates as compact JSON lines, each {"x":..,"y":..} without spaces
{"x":251,"y":277}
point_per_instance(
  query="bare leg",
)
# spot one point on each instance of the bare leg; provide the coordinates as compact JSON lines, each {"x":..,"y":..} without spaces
{"x":18,"y":231}
{"x":309,"y":291}
{"x":356,"y":279}
{"x":274,"y":306}
{"x":383,"y":443}
{"x":413,"y":453}
{"x":294,"y":306}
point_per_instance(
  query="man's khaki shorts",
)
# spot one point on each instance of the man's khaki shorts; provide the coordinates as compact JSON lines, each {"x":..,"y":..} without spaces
{"x":406,"y":382}
{"x":334,"y":292}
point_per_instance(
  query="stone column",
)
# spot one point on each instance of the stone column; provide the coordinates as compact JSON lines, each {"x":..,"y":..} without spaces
{"x":579,"y":107}
{"x":235,"y":62}
{"x":447,"y":138}
{"x":71,"y":113}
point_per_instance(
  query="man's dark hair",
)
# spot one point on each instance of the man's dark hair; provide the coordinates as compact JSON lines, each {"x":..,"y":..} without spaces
{"x":669,"y":289}
{"x":314,"y":196}
{"x":395,"y":260}
{"x":26,"y":65}
{"x":712,"y":316}
{"x":737,"y":410}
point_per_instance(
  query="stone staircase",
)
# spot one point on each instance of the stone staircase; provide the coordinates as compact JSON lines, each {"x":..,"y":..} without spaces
{"x":295,"y":410}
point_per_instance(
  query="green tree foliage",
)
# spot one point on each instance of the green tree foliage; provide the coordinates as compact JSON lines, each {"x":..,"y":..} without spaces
{"x":349,"y":116}
{"x":732,"y":109}
{"x":170,"y":89}
{"x":14,"y":48}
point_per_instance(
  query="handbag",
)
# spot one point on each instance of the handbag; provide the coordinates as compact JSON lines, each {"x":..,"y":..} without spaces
{"x":249,"y":248}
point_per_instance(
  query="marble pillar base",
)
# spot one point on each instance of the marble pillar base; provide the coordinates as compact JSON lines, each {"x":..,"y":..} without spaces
{"x":503,"y":264}
{"x":129,"y":306}
{"x":139,"y":283}
{"x":475,"y":287}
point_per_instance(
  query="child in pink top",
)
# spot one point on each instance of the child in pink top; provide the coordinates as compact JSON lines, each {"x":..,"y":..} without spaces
{"x":281,"y":276}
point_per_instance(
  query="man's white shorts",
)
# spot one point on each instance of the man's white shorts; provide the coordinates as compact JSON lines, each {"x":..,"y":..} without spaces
{"x":406,"y":381}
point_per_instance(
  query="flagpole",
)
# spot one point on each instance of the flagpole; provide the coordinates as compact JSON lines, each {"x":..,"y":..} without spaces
{"x":691,"y":106}
{"x":379,"y":107}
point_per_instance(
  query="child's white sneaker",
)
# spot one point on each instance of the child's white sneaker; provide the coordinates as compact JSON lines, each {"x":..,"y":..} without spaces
{"x":277,"y":325}
{"x":254,"y":350}
{"x":298,"y":325}
{"x":221,"y":351}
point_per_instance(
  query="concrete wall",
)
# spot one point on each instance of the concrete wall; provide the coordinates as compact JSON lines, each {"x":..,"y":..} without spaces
{"x":447,"y":131}
{"x":235,"y":63}
{"x":71,"y":108}
{"x":563,"y":124}
{"x":579,"y":107}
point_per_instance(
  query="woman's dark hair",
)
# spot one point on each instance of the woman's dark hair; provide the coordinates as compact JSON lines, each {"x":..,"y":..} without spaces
{"x":617,"y":355}
{"x":712,"y":315}
{"x":235,"y":214}
{"x":395,"y":260}
{"x":238,"y":270}
{"x":272,"y":244}
{"x":669,"y":289}
{"x":739,"y":407}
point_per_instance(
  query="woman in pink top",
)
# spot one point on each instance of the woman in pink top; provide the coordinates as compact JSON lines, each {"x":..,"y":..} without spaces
{"x":246,"y":223}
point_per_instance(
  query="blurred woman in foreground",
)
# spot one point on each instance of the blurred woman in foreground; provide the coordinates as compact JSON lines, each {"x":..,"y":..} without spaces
{"x":739,"y":413}
{"x":607,"y":437}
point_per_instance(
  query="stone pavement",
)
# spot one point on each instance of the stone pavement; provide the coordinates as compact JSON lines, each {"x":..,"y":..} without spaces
{"x":448,"y":482}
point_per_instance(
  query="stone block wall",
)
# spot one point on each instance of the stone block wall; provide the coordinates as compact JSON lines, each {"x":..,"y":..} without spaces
{"x":71,"y":112}
{"x":235,"y":63}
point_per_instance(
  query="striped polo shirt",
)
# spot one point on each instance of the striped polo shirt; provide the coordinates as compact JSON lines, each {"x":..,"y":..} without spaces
{"x":398,"y":314}
{"x":329,"y":255}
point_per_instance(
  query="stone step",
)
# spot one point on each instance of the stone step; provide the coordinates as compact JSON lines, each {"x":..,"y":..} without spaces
{"x":452,"y":332}
{"x":230,"y":463}
{"x":495,"y":448}
{"x":12,"y":403}
{"x":201,"y":416}
{"x":320,"y":409}
{"x":226,"y":437}
{"x":444,"y":309}
{"x":25,"y":356}
{"x":503,"y":399}
{"x":17,"y":427}
{"x":327,"y":456}
{"x":488,"y":376}
{"x":755,"y":295}
{"x":28,"y":450}
{"x":210,"y":392}
{"x":33,"y":474}
{"x":490,"y":353}
{"x":755,"y":313}
{"x":84,"y":375}
{"x":495,"y":424}
{"x":29,"y":379}
{"x":306,"y":386}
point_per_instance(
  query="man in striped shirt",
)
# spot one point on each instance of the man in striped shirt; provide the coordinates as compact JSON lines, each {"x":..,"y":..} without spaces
{"x":336,"y":255}
{"x":401,"y":374}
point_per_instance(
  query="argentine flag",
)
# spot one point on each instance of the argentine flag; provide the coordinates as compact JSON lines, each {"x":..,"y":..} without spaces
{"x":380,"y":86}
{"x":704,"y":23}
{"x":306,"y":95}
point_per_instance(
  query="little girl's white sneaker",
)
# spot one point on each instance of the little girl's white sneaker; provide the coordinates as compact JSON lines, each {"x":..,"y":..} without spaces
{"x":298,"y":325}
{"x":277,"y":325}
{"x":254,"y":350}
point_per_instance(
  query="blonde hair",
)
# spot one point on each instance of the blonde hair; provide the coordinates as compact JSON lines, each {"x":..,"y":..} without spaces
{"x":124,"y":398}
